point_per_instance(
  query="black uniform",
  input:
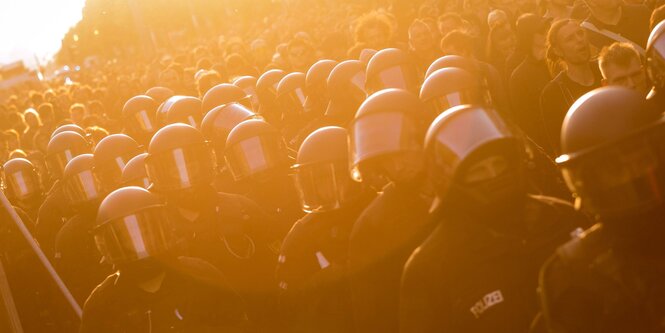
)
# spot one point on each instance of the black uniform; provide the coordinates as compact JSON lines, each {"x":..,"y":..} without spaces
{"x":77,"y":259}
{"x":52,"y":215}
{"x":247,"y":259}
{"x":193,"y":297}
{"x":312,"y":271}
{"x":474,"y":277}
{"x":609,"y":279}
{"x":382,"y":240}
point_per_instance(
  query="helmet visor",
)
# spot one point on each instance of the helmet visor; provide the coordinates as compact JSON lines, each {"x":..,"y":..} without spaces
{"x":81,"y":188}
{"x":625,"y":178}
{"x":252,"y":156}
{"x":181,"y":168}
{"x":56,"y":162}
{"x":109,"y":173}
{"x":142,"y":121}
{"x":382,"y":133}
{"x":441,"y":103}
{"x":22,"y":184}
{"x":467,"y":131}
{"x":294,"y":102}
{"x":324,"y":187}
{"x":143,"y":234}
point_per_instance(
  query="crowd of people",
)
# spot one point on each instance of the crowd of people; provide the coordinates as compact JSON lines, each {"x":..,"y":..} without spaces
{"x":461,"y":166}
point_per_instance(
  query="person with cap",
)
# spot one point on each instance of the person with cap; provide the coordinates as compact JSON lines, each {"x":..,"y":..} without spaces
{"x":227,"y":230}
{"x":311,"y":269}
{"x":610,"y":278}
{"x":76,"y":259}
{"x":154,"y":289}
{"x":385,"y":147}
{"x":62,"y":148}
{"x":478,"y":270}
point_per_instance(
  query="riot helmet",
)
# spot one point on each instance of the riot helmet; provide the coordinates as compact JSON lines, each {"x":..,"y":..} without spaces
{"x":61,"y":149}
{"x":80,"y":186}
{"x":111,"y":155}
{"x":132,"y":224}
{"x":179,"y":159}
{"x":321,"y":171}
{"x":612,"y":153}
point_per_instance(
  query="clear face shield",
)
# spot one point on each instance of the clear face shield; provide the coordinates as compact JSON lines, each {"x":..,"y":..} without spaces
{"x":439,"y":104}
{"x":143,"y":234}
{"x":253,"y":156}
{"x":181,"y":168}
{"x":56,"y":162}
{"x":394,"y":77}
{"x":293,"y":103}
{"x":141,"y":122}
{"x":82,"y":188}
{"x":457,"y":141}
{"x":325,"y":186}
{"x":110,"y":173}
{"x":380,"y":134}
{"x":22,"y":185}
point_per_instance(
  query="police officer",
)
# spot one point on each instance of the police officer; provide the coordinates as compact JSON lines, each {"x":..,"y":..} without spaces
{"x":312,"y":263}
{"x":449,"y":87}
{"x":180,"y":109}
{"x":610,"y":278}
{"x":266,"y":91}
{"x":138,"y":115}
{"x":248,"y":84}
{"x":111,"y":155}
{"x":386,"y":153}
{"x":76,"y":258}
{"x":23,"y":186}
{"x":291,"y":99}
{"x":159,"y":94}
{"x":391,"y":68}
{"x":317,"y":98}
{"x":478,"y":270}
{"x":258,"y":160}
{"x":346,"y":86}
{"x":656,"y":64}
{"x":153,"y":289}
{"x":134,"y":173}
{"x":224,"y":93}
{"x":227,"y":230}
{"x":54,"y":211}
{"x":215,"y":127}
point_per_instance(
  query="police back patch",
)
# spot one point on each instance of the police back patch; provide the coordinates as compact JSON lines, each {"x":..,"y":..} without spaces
{"x":486,"y":302}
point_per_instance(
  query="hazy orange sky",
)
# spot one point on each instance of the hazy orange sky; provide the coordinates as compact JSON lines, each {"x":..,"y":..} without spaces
{"x":29,"y":27}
